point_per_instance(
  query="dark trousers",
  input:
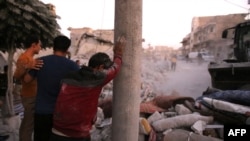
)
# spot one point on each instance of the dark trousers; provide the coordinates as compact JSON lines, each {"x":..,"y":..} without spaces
{"x":55,"y":137}
{"x":42,"y":127}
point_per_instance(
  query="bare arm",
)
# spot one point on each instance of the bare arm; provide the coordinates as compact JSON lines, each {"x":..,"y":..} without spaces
{"x":21,"y":68}
{"x":24,"y":65}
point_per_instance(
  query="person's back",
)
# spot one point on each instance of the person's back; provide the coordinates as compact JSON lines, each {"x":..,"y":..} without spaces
{"x":49,"y":81}
{"x":81,"y":90}
{"x":48,"y":85}
{"x":173,"y":59}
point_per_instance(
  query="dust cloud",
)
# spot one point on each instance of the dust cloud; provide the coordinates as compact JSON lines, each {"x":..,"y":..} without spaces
{"x":189,"y":78}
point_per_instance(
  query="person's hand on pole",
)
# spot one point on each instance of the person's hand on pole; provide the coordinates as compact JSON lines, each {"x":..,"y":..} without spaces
{"x":119,"y":45}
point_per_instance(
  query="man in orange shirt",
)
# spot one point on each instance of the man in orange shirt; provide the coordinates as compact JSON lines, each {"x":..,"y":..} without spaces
{"x":29,"y":90}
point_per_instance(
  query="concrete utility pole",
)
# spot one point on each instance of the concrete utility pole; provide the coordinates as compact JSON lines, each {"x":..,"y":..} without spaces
{"x":126,"y":95}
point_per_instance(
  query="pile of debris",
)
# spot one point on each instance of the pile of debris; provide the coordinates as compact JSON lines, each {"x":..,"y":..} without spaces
{"x":162,"y":118}
{"x":175,"y":117}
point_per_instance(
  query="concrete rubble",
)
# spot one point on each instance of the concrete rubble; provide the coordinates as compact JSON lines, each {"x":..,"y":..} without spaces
{"x":176,"y":119}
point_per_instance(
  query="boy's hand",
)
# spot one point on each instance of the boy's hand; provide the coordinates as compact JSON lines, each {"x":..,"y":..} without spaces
{"x":119,"y":45}
{"x":36,"y":64}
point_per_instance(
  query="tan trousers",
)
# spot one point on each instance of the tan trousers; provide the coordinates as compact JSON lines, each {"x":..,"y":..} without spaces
{"x":27,"y":124}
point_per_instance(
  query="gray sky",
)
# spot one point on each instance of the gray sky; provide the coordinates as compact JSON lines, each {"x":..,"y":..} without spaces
{"x":165,"y":22}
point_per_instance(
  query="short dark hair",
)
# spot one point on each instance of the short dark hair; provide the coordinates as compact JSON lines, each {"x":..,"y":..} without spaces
{"x":98,"y":59}
{"x":30,"y":40}
{"x":61,"y":43}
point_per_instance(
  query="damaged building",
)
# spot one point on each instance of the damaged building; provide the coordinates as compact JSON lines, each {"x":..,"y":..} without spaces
{"x":86,"y":41}
{"x":206,"y":34}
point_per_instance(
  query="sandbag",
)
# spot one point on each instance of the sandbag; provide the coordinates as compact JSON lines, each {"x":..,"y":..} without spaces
{"x":227,"y":106}
{"x":183,"y":135}
{"x":154,"y":117}
{"x":221,"y":116}
{"x":182,"y":110}
{"x":180,"y":121}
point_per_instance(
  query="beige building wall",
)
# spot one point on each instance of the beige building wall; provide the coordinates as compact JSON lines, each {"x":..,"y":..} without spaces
{"x":199,"y":21}
{"x":207,"y":31}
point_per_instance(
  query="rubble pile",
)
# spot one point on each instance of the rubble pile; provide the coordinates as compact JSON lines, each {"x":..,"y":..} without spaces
{"x":175,"y":117}
{"x":161,"y":116}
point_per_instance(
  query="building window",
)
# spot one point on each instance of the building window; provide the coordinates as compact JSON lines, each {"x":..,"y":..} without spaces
{"x":200,"y":38}
{"x":211,"y":29}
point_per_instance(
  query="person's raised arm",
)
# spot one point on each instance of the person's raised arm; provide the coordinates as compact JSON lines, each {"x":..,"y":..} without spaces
{"x":118,"y":53}
{"x":23,"y":66}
